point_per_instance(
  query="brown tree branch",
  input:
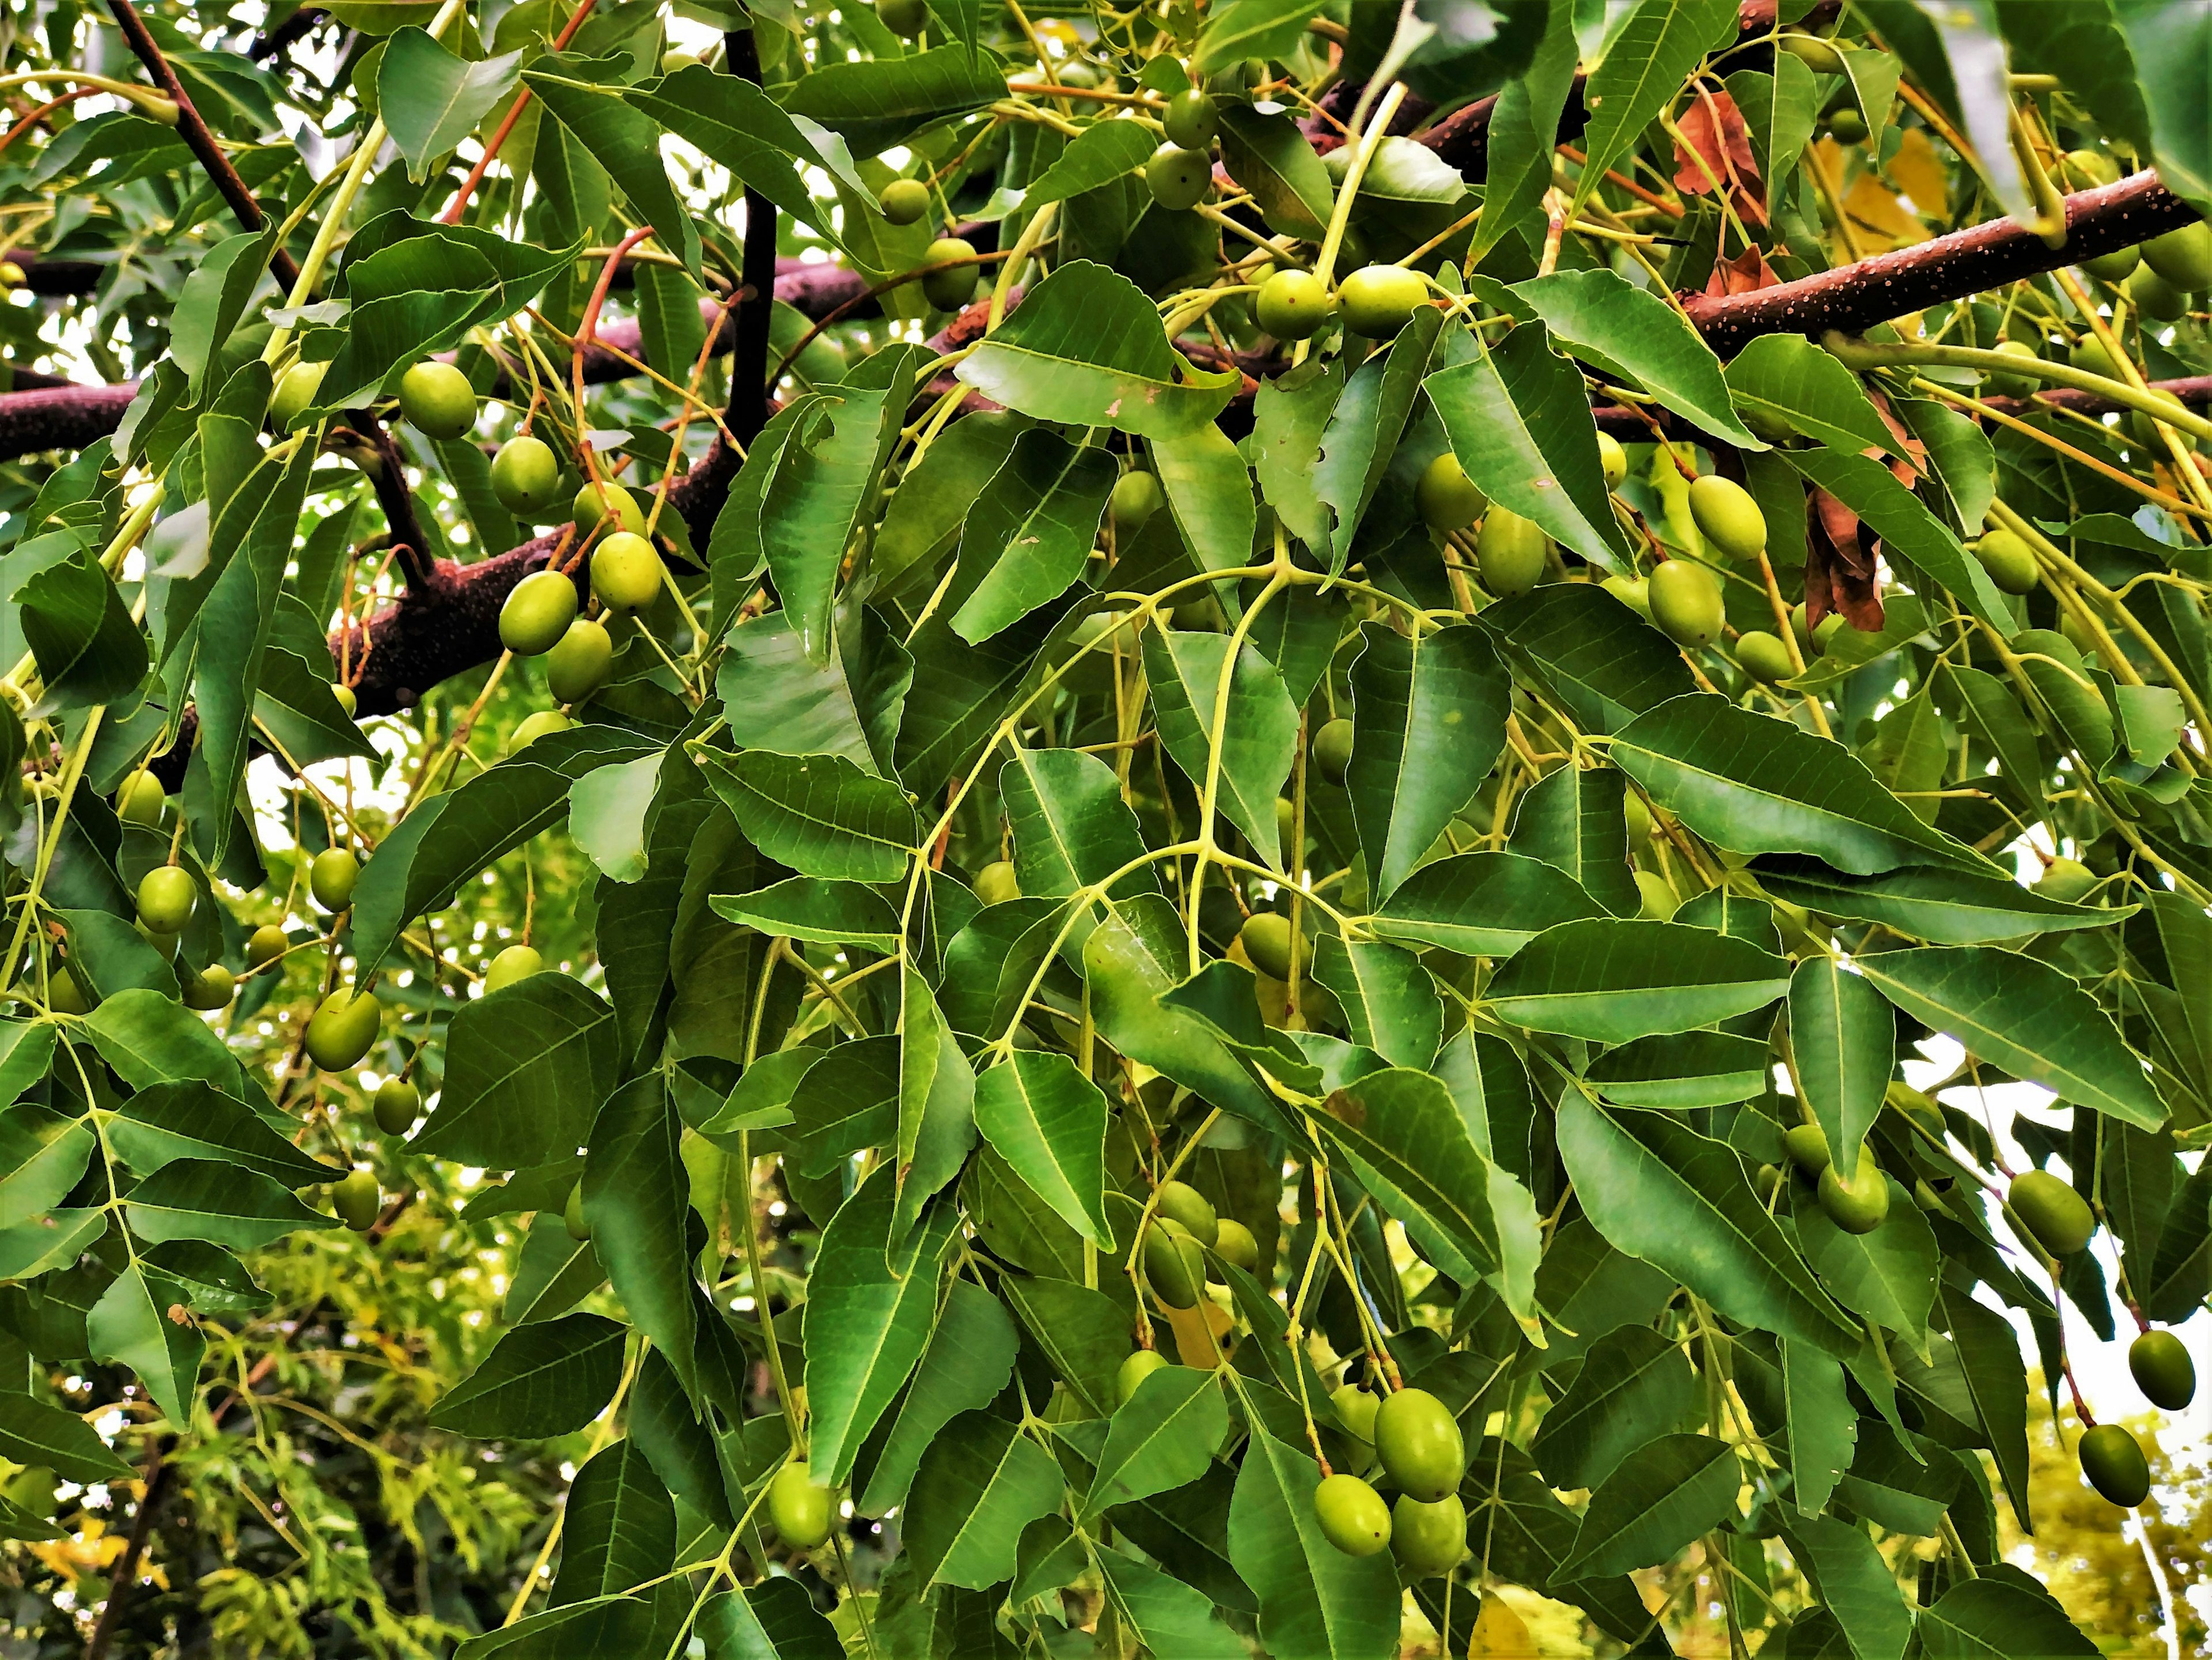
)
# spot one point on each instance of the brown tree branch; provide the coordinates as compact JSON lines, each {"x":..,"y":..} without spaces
{"x":124,"y":1578}
{"x":754,"y":312}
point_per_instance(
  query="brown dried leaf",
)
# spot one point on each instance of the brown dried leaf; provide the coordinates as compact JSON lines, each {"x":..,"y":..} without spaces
{"x":1840,"y":574}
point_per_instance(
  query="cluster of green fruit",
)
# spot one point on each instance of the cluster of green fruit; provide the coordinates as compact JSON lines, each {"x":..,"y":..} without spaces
{"x":1417,"y":1442}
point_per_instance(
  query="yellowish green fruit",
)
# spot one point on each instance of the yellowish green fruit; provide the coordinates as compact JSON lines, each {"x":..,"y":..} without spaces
{"x":437,"y":400}
{"x":1140,"y":1364}
{"x":2182,"y":258}
{"x":626,"y":572}
{"x":2067,"y":880}
{"x":1428,"y":1539}
{"x":1614,"y":459}
{"x":1267,"y":940}
{"x":1637,"y":813}
{"x":947,"y":286}
{"x":167,"y":898}
{"x":141,"y":798}
{"x":64,"y":994}
{"x":1859,"y":1204}
{"x":801,"y":1513}
{"x":1178,"y":178}
{"x":1332,"y":749}
{"x":356,"y":1200}
{"x":2089,"y":354}
{"x":1356,"y":1408}
{"x":1234,"y":1243}
{"x":1352,"y":1515}
{"x":397,"y":1105}
{"x":1449,"y":499}
{"x":904,"y":201}
{"x":572,"y":1215}
{"x":997,"y":883}
{"x":2114,"y":267}
{"x":1511,"y":551}
{"x":1808,"y":1146}
{"x":1847,"y":125}
{"x":2059,"y":1217}
{"x":537,"y":613}
{"x":1814,"y":53}
{"x":1420,"y":1444}
{"x":671,"y":62}
{"x":526,"y":476}
{"x":1660,"y":900}
{"x":515,"y":963}
{"x":12,"y":275}
{"x":211,"y":988}
{"x":1824,"y":633}
{"x":1293,"y":305}
{"x":1633,"y":591}
{"x":542,"y":724}
{"x":2160,"y":1363}
{"x":1137,"y":496}
{"x":1766,"y":1178}
{"x":2013,"y":386}
{"x":343,"y":1029}
{"x":344,"y":696}
{"x":1174,"y":1264}
{"x":1181,"y":1202}
{"x":331,"y":878}
{"x":579,"y":662}
{"x":167,"y":944}
{"x":1727,"y":517}
{"x":2010,"y":561}
{"x":266,"y":944}
{"x":1686,"y":603}
{"x":2113,"y":1460}
{"x":1764,"y":656}
{"x":294,"y":392}
{"x":32,"y":1489}
{"x":2156,"y":298}
{"x":2147,"y":429}
{"x":2086,"y":169}
{"x":1378,"y":300}
{"x":1190,"y":119}
{"x":596,"y":500}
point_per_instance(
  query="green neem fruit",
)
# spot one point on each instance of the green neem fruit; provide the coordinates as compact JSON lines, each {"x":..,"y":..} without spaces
{"x":544,"y":724}
{"x":1512,"y":552}
{"x":1190,"y":119}
{"x":2183,"y":257}
{"x":1291,"y":304}
{"x":572,"y":1215}
{"x":1808,"y":1146}
{"x":1825,"y":632}
{"x":1352,"y":1515}
{"x":1357,"y":1407}
{"x":2145,"y":428}
{"x":594,"y":501}
{"x":1766,"y":1178}
{"x":397,"y":1105}
{"x":1420,"y":1444}
{"x":904,"y":201}
{"x":2156,"y":298}
{"x":1140,"y":1364}
{"x":64,"y":994}
{"x":1727,"y":517}
{"x":266,"y":944}
{"x":801,"y":1513}
{"x":2113,"y":1461}
{"x":2114,"y":267}
{"x":1380,"y":300}
{"x":2009,"y":561}
{"x":1660,"y":900}
{"x":526,"y":476}
{"x":1181,"y":1202}
{"x":1266,"y":938}
{"x":1178,"y":178}
{"x":295,"y":391}
{"x":212,"y":987}
{"x":1332,"y":749}
{"x":1428,"y":1539}
{"x":1814,"y":53}
{"x":1174,"y":1264}
{"x":1859,"y":1204}
{"x":1449,"y":499}
{"x":997,"y":883}
{"x":2163,"y":1369}
{"x":345,"y":698}
{"x":1233,"y":1243}
{"x":1614,"y":459}
{"x":2089,"y":354}
{"x":2013,"y":386}
{"x":948,"y":287}
{"x":1847,"y":126}
{"x":579,"y":663}
{"x":2086,"y":170}
{"x":515,"y":963}
{"x":909,"y":18}
{"x":1637,"y":813}
{"x":1633,"y":591}
{"x":2058,"y":1218}
{"x":1137,"y":496}
{"x":1764,"y":657}
{"x":356,"y":1200}
{"x":437,"y":400}
{"x":1686,"y":603}
{"x":2067,"y":880}
{"x":141,"y":800}
{"x":671,"y":62}
{"x":167,"y":898}
{"x":537,"y":613}
{"x":626,"y":572}
{"x":343,"y":1029}
{"x":331,"y":878}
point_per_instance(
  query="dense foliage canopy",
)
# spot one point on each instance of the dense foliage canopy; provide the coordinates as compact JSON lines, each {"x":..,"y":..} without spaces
{"x":1243,"y":827}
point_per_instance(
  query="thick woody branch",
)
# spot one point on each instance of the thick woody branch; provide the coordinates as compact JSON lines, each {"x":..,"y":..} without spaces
{"x":60,"y":417}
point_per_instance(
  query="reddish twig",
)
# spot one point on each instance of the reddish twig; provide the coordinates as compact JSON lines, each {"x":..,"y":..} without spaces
{"x":35,"y":117}
{"x":458,"y":205}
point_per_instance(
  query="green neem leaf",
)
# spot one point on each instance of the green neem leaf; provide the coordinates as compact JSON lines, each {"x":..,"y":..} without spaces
{"x":1943,"y":906}
{"x":875,"y":103}
{"x":848,"y":1100}
{"x":1753,"y":784}
{"x":1605,"y":319}
{"x":79,"y":629}
{"x":1166,"y":1615}
{"x":602,"y":1624}
{"x":1102,"y":152}
{"x":1602,"y":661}
{"x":819,"y":814}
{"x":1644,"y":68}
{"x":1195,"y":693}
{"x":1677,"y":1071}
{"x":431,"y":100}
{"x":1429,"y":721}
{"x":1657,"y":1189}
{"x":1844,"y":1040}
{"x":168,"y":1121}
{"x":2025,"y":1015}
{"x":775,"y":1617}
{"x":32,"y":1433}
{"x":1267,"y":156}
{"x":139,"y":1322}
{"x":294,"y":705}
{"x":152,"y":1039}
{"x":1390,"y":1004}
{"x":1999,"y":1620}
{"x":936,"y":1105}
{"x":1315,"y":1603}
{"x":608,"y":810}
{"x":214,"y":299}
{"x":539,"y":1380}
{"x":734,"y":123}
{"x":1520,"y":423}
{"x":26,"y":1047}
{"x":1071,"y":828}
{"x":1888,"y":1275}
{"x":1577,"y":818}
{"x":1635,"y":1386}
{"x":1481,"y":904}
{"x":1290,"y":414}
{"x":777,"y":698}
{"x":969,"y":1358}
{"x":1048,"y":1121}
{"x":1051,"y":496}
{"x":869,"y":1313}
{"x":823,"y":481}
{"x":585,"y":95}
{"x":635,"y":1199}
{"x":1785,"y":381}
{"x":1086,"y":348}
{"x":1851,"y":1576}
{"x":2168,"y":42}
{"x":1659,"y":1498}
{"x":1163,"y":1439}
{"x":526,"y":1071}
{"x":980,"y":1483}
{"x":1086,"y":1334}
{"x":43,"y":1153}
{"x":825,"y":913}
{"x":1614,"y":980}
{"x":1250,"y":29}
{"x":620,"y":1526}
{"x":1360,"y":442}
